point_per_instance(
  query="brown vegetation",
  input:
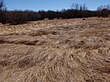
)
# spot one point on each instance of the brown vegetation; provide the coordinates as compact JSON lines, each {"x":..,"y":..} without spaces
{"x":71,"y":50}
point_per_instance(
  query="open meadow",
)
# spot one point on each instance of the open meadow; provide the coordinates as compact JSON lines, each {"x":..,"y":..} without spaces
{"x":58,"y":50}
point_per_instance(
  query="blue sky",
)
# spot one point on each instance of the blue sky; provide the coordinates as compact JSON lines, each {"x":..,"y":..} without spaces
{"x":51,"y":4}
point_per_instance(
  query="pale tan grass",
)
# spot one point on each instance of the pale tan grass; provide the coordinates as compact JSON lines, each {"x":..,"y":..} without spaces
{"x":71,"y":50}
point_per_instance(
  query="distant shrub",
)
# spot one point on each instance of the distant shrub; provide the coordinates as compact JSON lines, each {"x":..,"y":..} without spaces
{"x":18,"y":17}
{"x":76,"y":11}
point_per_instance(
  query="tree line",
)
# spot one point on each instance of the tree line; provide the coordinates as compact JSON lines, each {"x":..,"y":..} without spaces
{"x":76,"y":11}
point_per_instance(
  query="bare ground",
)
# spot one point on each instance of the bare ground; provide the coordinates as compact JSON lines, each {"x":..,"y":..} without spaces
{"x":71,"y":50}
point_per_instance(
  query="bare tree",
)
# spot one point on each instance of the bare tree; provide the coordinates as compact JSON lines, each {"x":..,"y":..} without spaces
{"x":2,"y":6}
{"x":77,"y":6}
{"x":84,"y":7}
{"x":104,"y":7}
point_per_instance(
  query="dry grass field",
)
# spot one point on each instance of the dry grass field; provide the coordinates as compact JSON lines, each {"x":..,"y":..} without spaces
{"x":70,"y":50}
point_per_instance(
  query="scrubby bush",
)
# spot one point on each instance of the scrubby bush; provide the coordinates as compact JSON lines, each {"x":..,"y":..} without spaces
{"x":76,"y":11}
{"x":20,"y":17}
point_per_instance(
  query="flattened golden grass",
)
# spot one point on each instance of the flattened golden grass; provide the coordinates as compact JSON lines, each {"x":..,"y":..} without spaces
{"x":74,"y":50}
